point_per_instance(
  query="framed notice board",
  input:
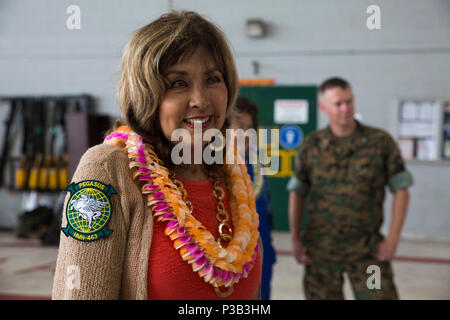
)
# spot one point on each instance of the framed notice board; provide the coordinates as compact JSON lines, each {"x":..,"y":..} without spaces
{"x":293,"y":111}
{"x":423,"y":129}
{"x":446,"y":131}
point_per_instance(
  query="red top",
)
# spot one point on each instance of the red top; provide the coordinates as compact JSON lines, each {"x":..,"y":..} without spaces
{"x":171,"y":278}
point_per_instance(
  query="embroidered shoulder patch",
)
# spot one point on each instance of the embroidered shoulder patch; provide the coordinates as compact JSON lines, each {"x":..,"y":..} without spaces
{"x":88,"y":210}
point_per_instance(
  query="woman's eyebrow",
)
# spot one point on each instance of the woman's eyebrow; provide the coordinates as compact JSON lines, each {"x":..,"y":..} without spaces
{"x":212,"y":70}
{"x":181,"y":72}
{"x":177,"y":72}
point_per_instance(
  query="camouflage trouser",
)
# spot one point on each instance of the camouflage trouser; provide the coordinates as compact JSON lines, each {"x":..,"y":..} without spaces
{"x":324,"y":281}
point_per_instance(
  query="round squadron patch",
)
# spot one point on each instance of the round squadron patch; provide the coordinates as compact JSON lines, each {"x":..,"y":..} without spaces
{"x":88,"y":210}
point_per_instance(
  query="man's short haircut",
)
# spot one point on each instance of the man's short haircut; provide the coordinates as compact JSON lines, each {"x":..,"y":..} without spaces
{"x":331,"y":83}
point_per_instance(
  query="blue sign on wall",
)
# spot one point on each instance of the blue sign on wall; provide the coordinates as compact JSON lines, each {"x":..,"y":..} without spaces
{"x":291,"y":137}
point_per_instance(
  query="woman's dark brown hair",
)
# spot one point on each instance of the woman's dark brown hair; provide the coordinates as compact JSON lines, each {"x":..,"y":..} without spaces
{"x":245,"y":105}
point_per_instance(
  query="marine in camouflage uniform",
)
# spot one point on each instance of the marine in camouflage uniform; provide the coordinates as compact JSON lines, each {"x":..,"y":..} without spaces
{"x":343,"y":180}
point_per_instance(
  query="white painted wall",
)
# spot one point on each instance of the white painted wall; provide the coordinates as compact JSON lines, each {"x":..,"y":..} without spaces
{"x":307,"y":42}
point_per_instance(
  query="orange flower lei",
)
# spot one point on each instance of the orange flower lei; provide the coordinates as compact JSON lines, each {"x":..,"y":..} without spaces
{"x":216,"y":265}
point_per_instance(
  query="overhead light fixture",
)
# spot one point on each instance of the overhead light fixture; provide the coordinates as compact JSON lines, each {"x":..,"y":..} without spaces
{"x":255,"y":28}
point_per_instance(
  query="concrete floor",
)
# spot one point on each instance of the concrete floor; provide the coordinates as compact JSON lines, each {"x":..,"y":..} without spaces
{"x":421,"y":268}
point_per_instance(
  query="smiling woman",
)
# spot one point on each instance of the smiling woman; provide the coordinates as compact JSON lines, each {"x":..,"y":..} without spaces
{"x":197,"y":94}
{"x":151,"y":73}
{"x":176,"y":231}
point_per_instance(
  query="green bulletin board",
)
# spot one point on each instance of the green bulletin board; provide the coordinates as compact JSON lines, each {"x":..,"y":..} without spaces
{"x":273,"y":107}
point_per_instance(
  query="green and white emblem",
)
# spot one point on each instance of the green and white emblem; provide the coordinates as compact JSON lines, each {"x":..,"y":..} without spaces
{"x":88,"y":210}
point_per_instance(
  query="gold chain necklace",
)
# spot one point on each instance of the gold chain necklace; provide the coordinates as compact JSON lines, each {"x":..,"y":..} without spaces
{"x":222,"y":216}
{"x":217,"y":265}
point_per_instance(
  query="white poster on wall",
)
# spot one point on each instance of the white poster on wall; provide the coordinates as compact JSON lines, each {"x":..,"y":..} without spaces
{"x":290,"y":111}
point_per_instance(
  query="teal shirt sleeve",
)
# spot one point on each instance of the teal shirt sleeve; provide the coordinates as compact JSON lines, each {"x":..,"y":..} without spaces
{"x":298,"y":186}
{"x":400,"y":180}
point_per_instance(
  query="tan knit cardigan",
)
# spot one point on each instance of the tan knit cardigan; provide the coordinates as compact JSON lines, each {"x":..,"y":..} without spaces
{"x":116,"y":267}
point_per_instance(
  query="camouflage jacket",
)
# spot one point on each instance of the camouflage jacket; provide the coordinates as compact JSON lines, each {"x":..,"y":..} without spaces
{"x":343,"y":180}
